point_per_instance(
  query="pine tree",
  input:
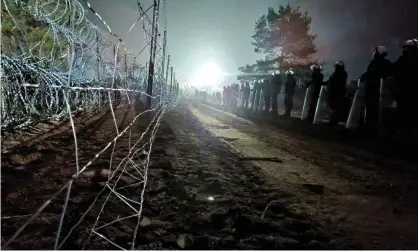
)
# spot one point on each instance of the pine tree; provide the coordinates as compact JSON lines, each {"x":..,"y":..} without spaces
{"x":256,"y":71}
{"x":284,"y":37}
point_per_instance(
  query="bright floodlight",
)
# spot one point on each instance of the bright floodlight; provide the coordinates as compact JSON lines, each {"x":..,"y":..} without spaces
{"x":208,"y":74}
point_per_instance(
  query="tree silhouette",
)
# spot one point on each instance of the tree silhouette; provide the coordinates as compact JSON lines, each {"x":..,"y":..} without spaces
{"x":284,"y":37}
{"x":256,"y":71}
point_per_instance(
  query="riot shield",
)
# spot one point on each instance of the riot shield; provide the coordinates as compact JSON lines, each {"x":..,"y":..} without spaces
{"x":386,"y":99}
{"x":320,"y":107}
{"x":357,"y":106}
{"x":261,"y":101}
{"x":253,"y":95}
{"x":257,"y":100}
{"x":307,"y":102}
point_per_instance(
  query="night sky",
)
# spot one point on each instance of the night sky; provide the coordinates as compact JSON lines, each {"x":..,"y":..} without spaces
{"x":220,"y":30}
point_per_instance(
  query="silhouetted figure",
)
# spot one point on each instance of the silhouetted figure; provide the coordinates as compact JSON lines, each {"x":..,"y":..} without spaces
{"x":225,"y":97}
{"x":317,"y":79}
{"x":253,"y":94}
{"x":218,"y":97}
{"x":406,"y":75}
{"x":289,"y":91}
{"x":235,"y":88}
{"x":230,"y":94}
{"x":267,"y":91}
{"x":205,"y":96}
{"x":258,"y":94}
{"x":379,"y":68}
{"x":246,"y":95}
{"x":241,"y":93}
{"x":336,"y":92}
{"x":276,"y":88}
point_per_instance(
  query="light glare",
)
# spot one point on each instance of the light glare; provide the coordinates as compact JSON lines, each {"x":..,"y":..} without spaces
{"x":209,"y":74}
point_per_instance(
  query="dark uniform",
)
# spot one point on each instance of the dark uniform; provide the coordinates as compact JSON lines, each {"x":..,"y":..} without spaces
{"x":406,"y":75}
{"x":276,"y":88}
{"x":289,"y":91}
{"x":317,"y":80}
{"x":336,"y":92}
{"x":267,"y":89}
{"x":260,"y":87}
{"x":254,"y":94}
{"x":246,"y":95}
{"x":379,"y":68}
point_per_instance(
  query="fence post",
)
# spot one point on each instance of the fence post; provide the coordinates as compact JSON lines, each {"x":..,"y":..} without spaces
{"x":171,"y":81}
{"x":177,"y":89}
{"x":166,"y":75}
{"x":97,"y":57}
{"x":162,"y":82}
{"x":153,"y":52}
{"x":173,"y":84}
{"x":114,"y":77}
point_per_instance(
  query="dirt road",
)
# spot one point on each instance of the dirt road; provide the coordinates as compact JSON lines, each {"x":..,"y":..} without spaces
{"x":214,"y":181}
{"x":369,"y":201}
{"x":200,"y":194}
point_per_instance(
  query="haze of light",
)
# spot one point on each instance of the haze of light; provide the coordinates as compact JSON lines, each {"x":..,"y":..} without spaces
{"x":208,"y":74}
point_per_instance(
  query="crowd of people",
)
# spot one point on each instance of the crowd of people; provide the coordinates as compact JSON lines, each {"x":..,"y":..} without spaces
{"x":268,"y":87}
{"x":403,"y":72}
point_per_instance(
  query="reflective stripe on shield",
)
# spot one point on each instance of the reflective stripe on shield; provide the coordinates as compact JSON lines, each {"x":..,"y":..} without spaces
{"x":257,"y":100}
{"x":320,"y":106}
{"x":261,"y":106}
{"x":357,"y":106}
{"x":307,"y":102}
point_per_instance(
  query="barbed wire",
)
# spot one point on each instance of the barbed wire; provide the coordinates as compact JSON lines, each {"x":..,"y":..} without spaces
{"x":55,"y":62}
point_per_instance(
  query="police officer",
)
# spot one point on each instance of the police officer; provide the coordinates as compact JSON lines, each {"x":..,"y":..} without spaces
{"x":235,"y":88}
{"x":276,"y":87}
{"x":246,"y":95}
{"x":317,"y":79}
{"x":289,"y":91}
{"x":336,"y":91}
{"x":378,"y":68}
{"x":225,"y":96}
{"x":254,"y":94}
{"x":267,"y":91}
{"x":259,"y":87}
{"x":406,"y":75}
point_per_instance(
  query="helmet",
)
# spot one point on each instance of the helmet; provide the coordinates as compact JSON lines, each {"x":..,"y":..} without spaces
{"x":290,"y":72}
{"x":276,"y":72}
{"x":411,"y":43}
{"x":315,"y":67}
{"x":339,"y":63}
{"x":380,"y":50}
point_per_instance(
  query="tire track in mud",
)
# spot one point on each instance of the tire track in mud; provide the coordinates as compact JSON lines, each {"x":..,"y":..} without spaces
{"x":205,"y":196}
{"x":361,"y":201}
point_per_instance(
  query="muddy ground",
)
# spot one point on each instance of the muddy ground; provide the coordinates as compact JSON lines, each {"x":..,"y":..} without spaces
{"x":369,"y":191}
{"x":215,"y":181}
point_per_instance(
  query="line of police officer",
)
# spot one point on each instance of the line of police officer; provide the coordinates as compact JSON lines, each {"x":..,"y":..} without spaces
{"x":270,"y":89}
{"x":404,"y":72}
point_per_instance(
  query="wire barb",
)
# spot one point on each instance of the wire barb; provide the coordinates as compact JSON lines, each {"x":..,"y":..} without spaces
{"x":64,"y":63}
